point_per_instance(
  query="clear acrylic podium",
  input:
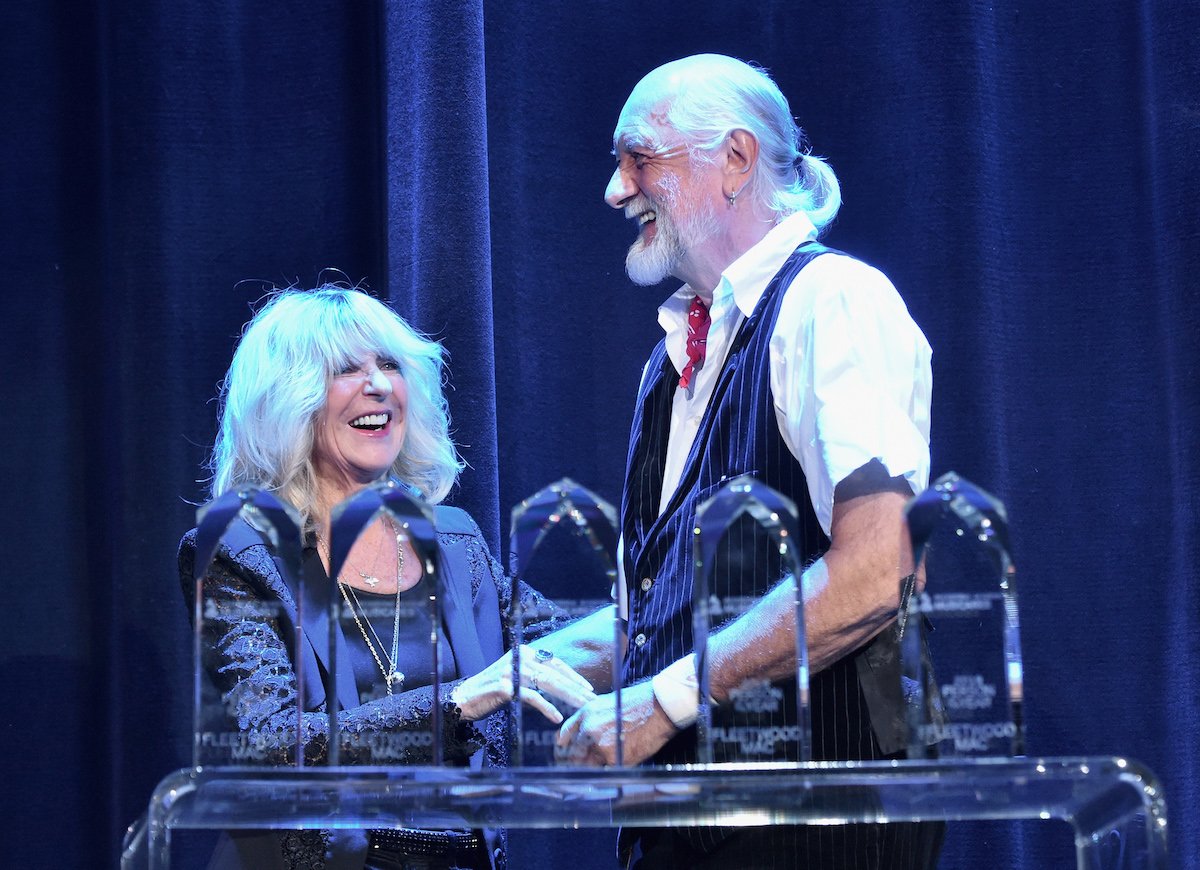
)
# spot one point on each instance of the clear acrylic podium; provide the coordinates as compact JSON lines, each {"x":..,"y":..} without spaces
{"x":1114,"y":806}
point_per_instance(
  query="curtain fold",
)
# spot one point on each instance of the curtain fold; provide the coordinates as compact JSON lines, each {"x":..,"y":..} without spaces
{"x":438,"y":241}
{"x":163,"y":168}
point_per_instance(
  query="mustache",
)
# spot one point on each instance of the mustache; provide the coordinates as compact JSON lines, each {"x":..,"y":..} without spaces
{"x":638,"y":206}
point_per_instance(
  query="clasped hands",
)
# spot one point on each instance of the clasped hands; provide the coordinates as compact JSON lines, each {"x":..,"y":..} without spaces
{"x":546,"y":674}
{"x":588,"y":737}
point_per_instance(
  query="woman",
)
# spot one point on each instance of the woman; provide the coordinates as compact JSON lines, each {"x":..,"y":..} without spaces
{"x":329,"y":391}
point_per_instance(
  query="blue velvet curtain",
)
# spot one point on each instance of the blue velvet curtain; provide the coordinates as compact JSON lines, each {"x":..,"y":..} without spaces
{"x":1026,"y":175}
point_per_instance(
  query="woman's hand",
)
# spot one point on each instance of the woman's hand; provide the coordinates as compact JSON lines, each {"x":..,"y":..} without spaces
{"x":545,"y":674}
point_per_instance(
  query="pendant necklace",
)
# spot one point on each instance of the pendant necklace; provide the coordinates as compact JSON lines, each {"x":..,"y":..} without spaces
{"x":370,"y":579}
{"x":393,"y":678}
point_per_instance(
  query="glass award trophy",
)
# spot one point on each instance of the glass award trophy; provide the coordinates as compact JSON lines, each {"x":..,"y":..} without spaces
{"x":383,"y":621}
{"x":563,"y":543}
{"x":964,"y":620}
{"x":746,"y":538}
{"x":228,"y":702}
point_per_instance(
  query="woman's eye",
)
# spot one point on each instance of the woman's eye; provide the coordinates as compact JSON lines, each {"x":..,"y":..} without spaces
{"x":388,"y":365}
{"x":348,"y":369}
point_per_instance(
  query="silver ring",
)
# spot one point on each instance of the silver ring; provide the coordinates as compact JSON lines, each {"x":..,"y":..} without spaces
{"x":543,"y":655}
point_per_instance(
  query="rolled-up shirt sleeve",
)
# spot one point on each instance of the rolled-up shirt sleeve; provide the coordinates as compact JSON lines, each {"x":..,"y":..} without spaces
{"x":851,"y":378}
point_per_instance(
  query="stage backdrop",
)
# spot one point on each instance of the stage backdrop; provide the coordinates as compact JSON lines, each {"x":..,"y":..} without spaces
{"x":1026,"y":175}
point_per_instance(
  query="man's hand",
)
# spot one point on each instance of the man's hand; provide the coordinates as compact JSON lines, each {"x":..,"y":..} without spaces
{"x":590,"y":736}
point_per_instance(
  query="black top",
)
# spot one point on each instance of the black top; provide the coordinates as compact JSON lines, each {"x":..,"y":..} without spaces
{"x":415,"y":652}
{"x":377,"y":616}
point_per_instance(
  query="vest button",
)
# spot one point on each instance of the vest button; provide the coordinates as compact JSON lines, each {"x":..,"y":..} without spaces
{"x":647,"y":582}
{"x":640,"y":640}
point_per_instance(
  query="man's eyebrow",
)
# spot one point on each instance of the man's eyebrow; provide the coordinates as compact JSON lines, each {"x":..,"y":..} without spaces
{"x":630,"y":141}
{"x":636,"y":136}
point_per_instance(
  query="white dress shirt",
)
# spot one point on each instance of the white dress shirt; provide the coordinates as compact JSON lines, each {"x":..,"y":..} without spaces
{"x":850,"y":370}
{"x":851,"y":380}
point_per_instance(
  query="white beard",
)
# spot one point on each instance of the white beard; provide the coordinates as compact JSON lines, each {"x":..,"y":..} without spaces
{"x":648,"y":264}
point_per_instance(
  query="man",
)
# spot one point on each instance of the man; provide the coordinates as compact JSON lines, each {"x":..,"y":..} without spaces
{"x":794,"y":364}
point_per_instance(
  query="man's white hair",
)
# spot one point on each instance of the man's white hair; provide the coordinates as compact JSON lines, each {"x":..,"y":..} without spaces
{"x":710,"y":95}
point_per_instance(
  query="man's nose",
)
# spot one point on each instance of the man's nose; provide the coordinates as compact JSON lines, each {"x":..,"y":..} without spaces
{"x":620,"y":189}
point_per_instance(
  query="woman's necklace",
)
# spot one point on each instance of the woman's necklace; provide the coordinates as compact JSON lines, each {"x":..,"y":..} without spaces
{"x":392,"y":676}
{"x":370,"y":579}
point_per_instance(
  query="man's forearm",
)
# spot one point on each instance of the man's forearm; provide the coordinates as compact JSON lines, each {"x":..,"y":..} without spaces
{"x":850,"y":595}
{"x":762,"y":642}
{"x":588,"y":646}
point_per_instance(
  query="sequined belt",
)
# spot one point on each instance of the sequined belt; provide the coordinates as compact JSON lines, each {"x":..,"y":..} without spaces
{"x":412,"y":842}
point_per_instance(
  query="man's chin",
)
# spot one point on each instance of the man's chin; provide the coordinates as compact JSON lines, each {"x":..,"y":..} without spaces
{"x":645,"y":269}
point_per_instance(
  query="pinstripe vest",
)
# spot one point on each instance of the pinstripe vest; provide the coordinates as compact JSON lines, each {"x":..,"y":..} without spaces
{"x":738,"y":434}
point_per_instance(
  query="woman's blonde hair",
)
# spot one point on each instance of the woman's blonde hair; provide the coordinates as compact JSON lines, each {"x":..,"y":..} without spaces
{"x":276,"y":386}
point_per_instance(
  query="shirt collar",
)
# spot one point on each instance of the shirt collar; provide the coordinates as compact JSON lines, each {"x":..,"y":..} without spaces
{"x":750,"y":273}
{"x":746,"y":277}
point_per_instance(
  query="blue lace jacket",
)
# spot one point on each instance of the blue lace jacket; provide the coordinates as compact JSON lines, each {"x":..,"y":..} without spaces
{"x":248,"y":653}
